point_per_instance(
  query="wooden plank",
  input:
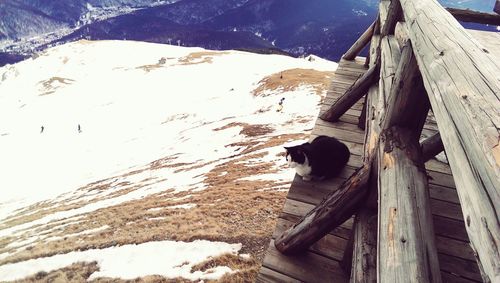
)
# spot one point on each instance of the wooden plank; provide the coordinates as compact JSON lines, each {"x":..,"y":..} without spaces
{"x":462,"y":82}
{"x":307,"y":267}
{"x":406,"y":245}
{"x":432,"y":146}
{"x":467,"y":15}
{"x":401,"y":33}
{"x":463,"y":268}
{"x":267,"y":275}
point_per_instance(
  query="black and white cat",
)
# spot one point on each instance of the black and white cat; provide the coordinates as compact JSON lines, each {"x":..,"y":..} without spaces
{"x":323,"y":158}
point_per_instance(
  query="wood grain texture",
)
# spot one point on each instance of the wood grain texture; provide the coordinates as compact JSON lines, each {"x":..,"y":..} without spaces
{"x":462,"y":81}
{"x":406,"y":250}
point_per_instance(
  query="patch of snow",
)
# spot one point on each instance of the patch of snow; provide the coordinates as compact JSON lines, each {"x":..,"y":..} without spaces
{"x":166,"y":258}
{"x":182,"y":206}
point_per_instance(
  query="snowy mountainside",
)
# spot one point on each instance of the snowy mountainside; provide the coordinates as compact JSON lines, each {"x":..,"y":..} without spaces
{"x":118,"y":148}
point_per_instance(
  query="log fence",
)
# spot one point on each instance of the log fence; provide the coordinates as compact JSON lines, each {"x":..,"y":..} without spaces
{"x":420,"y":58}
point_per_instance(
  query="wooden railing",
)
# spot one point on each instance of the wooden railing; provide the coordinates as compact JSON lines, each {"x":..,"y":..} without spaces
{"x":420,"y":58}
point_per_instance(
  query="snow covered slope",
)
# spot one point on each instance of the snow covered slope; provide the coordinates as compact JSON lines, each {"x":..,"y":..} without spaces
{"x":111,"y":145}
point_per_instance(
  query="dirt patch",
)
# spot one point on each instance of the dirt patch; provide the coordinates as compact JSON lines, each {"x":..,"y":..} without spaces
{"x":200,"y":57}
{"x":249,"y":130}
{"x":290,"y":80}
{"x":51,"y":85}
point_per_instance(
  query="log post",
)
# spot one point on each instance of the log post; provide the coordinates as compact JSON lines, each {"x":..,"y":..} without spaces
{"x":401,"y":33}
{"x":362,"y":116}
{"x":394,"y":14}
{"x":358,"y":89}
{"x":334,"y":210}
{"x":364,"y":232}
{"x":497,"y":7}
{"x":407,"y":104}
{"x":431,"y":147}
{"x":360,"y":43}
{"x":364,"y":255}
{"x":406,"y":246}
{"x":461,"y":78}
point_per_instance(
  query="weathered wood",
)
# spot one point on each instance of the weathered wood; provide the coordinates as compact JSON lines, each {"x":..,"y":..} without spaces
{"x":362,"y":117}
{"x":360,"y":43}
{"x":331,"y":212}
{"x":431,"y":147}
{"x":390,"y":55}
{"x":394,"y":14}
{"x":461,"y":79}
{"x":364,"y":255}
{"x":497,"y":7}
{"x":406,"y":245}
{"x":346,"y":262}
{"x":407,"y":103}
{"x":466,"y":15}
{"x":358,"y":89}
{"x":383,"y":11}
{"x":401,"y":33}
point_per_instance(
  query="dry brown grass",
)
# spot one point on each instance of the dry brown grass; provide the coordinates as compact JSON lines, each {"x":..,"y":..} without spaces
{"x":49,"y":86}
{"x":77,"y":272}
{"x":230,"y":209}
{"x":290,"y":80}
{"x":248,"y":129}
{"x":200,"y":57}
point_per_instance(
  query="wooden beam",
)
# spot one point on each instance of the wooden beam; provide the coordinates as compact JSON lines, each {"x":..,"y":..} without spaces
{"x":394,"y":14}
{"x":407,"y":104}
{"x":461,"y":78}
{"x":357,"y":90}
{"x":466,"y":15}
{"x":364,"y":255}
{"x":406,"y":246}
{"x":401,"y":33}
{"x":497,"y":7}
{"x":362,"y":116}
{"x":390,"y":55}
{"x":431,"y":147}
{"x":334,"y":210}
{"x":360,"y":43}
{"x":364,"y":232}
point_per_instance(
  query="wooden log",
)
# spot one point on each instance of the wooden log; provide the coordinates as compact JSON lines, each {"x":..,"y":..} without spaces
{"x":394,"y":14}
{"x":497,"y":7}
{"x":335,"y":209}
{"x":406,"y":246}
{"x":461,"y":78}
{"x":346,"y":262}
{"x":364,"y":232}
{"x":362,"y":117}
{"x":364,"y":255}
{"x":360,"y":43}
{"x":407,"y":104}
{"x":358,"y":89}
{"x":390,"y":55}
{"x":401,"y":33}
{"x":466,"y":15}
{"x":431,"y":147}
{"x":383,"y":11}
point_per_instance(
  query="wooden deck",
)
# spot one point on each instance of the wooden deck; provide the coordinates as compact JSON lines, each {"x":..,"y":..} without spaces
{"x":321,"y":262}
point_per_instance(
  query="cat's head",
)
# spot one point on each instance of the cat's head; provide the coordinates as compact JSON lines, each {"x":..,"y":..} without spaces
{"x":295,"y":155}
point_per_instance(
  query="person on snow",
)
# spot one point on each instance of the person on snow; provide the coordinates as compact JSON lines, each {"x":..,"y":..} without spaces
{"x":280,"y":105}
